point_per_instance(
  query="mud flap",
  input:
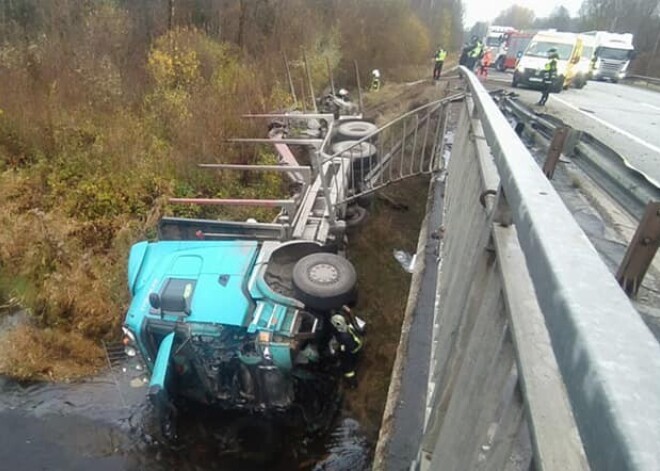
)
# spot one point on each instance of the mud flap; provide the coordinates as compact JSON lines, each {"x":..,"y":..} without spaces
{"x":158,"y":387}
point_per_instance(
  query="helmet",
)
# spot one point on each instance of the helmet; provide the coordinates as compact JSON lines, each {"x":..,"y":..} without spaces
{"x":339,"y":323}
{"x":375,"y":73}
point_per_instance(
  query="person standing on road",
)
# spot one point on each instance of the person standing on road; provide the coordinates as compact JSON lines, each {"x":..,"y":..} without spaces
{"x":486,"y":60}
{"x":476,"y":51}
{"x":439,"y":60}
{"x":549,"y":75}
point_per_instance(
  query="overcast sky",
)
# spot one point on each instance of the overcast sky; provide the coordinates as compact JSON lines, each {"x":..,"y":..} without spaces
{"x":487,"y":10}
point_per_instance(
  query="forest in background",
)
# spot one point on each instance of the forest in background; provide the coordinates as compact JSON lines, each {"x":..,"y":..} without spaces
{"x":107,"y":105}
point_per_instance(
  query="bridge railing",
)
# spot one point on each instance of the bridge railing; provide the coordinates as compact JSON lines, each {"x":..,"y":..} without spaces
{"x":537,"y":351}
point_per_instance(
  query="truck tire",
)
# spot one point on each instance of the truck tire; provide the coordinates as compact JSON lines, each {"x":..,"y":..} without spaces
{"x":500,"y":64}
{"x":356,"y":130}
{"x":362,"y":156}
{"x":514,"y":82}
{"x":324,"y":281}
{"x":356,"y":216}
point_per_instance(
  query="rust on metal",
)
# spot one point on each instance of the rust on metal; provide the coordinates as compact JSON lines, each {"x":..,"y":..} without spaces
{"x":232,"y":202}
{"x":554,"y":152}
{"x":641,"y":250}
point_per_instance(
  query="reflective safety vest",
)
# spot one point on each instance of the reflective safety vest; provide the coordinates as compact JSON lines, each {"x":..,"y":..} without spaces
{"x":357,"y":339}
{"x":354,"y":343}
{"x":550,"y":70}
{"x":441,"y":55}
{"x":476,"y":50}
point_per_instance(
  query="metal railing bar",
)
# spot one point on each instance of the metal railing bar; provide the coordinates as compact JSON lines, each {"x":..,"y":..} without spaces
{"x":608,"y":357}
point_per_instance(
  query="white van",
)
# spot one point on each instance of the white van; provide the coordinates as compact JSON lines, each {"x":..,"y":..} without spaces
{"x":531,"y":65}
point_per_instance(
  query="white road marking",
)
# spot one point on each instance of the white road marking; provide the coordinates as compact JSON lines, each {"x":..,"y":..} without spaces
{"x":651,"y":106}
{"x":630,"y":136}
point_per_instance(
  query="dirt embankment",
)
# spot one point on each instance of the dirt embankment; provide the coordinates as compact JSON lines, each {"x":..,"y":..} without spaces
{"x":394,"y":223}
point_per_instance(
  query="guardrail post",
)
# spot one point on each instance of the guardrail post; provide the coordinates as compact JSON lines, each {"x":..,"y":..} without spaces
{"x":554,"y":152}
{"x":641,"y":251}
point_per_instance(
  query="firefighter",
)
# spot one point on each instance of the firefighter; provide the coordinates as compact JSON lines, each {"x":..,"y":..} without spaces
{"x":349,"y":343}
{"x":375,"y":80}
{"x":549,"y":75}
{"x":438,"y":59}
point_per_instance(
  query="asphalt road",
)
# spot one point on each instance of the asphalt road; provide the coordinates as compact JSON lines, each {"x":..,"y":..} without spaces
{"x":624,"y":117}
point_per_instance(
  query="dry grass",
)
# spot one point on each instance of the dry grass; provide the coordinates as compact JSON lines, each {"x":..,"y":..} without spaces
{"x":384,"y":289}
{"x":102,"y":121}
{"x":48,"y":354}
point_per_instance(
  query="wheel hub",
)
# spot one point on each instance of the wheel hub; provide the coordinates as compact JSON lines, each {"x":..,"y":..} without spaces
{"x":323,"y":273}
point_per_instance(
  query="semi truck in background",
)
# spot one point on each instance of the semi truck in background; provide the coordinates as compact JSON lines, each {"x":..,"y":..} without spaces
{"x":612,"y":54}
{"x":529,"y":70}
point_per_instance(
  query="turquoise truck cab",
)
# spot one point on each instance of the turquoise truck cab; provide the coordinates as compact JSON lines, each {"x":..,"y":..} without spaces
{"x":238,"y":324}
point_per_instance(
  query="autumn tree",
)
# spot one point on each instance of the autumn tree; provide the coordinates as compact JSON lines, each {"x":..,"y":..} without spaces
{"x":640,"y":17}
{"x":517,"y":16}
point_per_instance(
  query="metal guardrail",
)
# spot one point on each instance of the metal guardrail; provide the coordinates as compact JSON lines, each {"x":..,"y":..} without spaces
{"x":609,"y":169}
{"x":642,"y":78}
{"x":610,"y":361}
{"x":408,"y":146}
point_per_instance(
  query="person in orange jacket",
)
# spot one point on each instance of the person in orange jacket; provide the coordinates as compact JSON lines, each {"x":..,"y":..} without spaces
{"x":486,"y":60}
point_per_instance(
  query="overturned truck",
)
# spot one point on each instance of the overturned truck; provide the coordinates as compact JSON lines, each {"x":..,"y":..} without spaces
{"x":237,"y":314}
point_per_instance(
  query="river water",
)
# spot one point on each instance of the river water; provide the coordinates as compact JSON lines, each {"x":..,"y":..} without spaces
{"x":104,"y":424}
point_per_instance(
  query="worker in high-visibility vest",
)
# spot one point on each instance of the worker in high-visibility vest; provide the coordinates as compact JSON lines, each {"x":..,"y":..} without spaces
{"x":476,"y":51}
{"x":438,"y":60}
{"x":486,"y":61}
{"x":375,"y":80}
{"x":549,"y":75}
{"x":349,"y":345}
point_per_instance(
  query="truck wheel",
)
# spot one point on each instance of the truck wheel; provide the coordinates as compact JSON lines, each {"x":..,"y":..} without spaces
{"x":356,"y":129}
{"x":356,"y":216}
{"x":499,"y":64}
{"x":362,"y":157}
{"x":514,"y":82}
{"x":324,"y":281}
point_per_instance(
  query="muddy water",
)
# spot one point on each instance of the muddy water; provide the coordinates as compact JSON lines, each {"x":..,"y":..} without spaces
{"x":105,"y":424}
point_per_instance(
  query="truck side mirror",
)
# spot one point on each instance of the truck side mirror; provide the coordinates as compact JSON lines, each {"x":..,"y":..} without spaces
{"x":519,"y":54}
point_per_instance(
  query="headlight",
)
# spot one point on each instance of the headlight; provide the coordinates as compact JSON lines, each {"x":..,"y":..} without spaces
{"x":128,"y":335}
{"x":130,"y":351}
{"x":520,"y":68}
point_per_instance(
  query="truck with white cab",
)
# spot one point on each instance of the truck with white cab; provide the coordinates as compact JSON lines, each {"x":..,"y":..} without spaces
{"x":612,"y":55}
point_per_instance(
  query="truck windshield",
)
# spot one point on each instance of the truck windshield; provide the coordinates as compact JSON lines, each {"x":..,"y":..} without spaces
{"x":613,"y":54}
{"x":493,"y":41}
{"x":540,"y":49}
{"x":587,"y":52}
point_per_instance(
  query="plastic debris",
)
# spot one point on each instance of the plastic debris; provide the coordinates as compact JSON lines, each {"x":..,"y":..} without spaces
{"x":406,"y":260}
